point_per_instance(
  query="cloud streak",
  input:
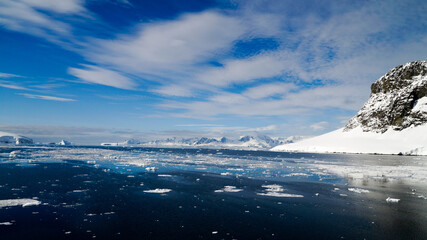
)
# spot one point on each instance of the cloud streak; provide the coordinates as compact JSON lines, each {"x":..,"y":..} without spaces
{"x":49,"y":98}
{"x":102,"y":76}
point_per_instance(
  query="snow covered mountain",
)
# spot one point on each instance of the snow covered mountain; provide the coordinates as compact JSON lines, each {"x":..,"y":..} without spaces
{"x":248,"y":142}
{"x":11,"y":138}
{"x":392,"y":121}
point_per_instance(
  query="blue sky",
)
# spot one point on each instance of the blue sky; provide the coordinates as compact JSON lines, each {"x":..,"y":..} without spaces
{"x":146,"y":69}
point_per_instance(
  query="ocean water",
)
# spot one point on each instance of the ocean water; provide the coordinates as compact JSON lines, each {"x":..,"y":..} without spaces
{"x":148,"y":193}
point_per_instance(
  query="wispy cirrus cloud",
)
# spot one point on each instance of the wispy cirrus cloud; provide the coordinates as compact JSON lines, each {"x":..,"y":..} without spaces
{"x":102,"y":76}
{"x":171,"y":46}
{"x":9,"y":75}
{"x":243,"y":70}
{"x":319,"y":126}
{"x":37,"y":17}
{"x":49,"y":98}
{"x":10,"y":85}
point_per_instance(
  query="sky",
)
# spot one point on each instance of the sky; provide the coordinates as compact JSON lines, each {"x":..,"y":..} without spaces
{"x":92,"y":70}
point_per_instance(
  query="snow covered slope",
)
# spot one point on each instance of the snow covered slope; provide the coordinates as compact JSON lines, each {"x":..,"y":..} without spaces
{"x":11,"y":138}
{"x":412,"y":140}
{"x":392,"y":121}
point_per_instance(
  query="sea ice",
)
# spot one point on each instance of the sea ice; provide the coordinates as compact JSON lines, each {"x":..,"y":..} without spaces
{"x":229,"y":189}
{"x":358,"y":190}
{"x":25,"y":202}
{"x":275,"y":190}
{"x":164,"y":175}
{"x":280,"y":194}
{"x":151,"y":169}
{"x":158,"y":190}
{"x":392,"y":200}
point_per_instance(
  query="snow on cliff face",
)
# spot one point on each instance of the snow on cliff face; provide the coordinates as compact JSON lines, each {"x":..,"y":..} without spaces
{"x":11,"y":138}
{"x":392,"y":121}
{"x":398,"y":100}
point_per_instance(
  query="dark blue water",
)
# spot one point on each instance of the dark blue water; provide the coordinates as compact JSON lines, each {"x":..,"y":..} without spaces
{"x":88,"y":193}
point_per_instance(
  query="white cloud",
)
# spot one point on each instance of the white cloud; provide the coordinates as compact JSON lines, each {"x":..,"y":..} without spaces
{"x":11,"y":86}
{"x":98,"y":75}
{"x":62,"y":6}
{"x":240,"y":71}
{"x":319,"y":126}
{"x":25,"y":16}
{"x":173,"y":45}
{"x":308,"y":102}
{"x":174,"y":90}
{"x":50,"y":98}
{"x":8,"y":75}
{"x":268,"y":90}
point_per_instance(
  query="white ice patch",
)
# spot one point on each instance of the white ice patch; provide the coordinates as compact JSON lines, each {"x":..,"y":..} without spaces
{"x":392,"y":200}
{"x":158,"y":190}
{"x":25,"y":202}
{"x":279,"y":194}
{"x":296,"y":174}
{"x":229,"y":189}
{"x":275,"y":190}
{"x":164,"y":175}
{"x":226,"y":174}
{"x":151,"y":169}
{"x":358,"y":190}
{"x":6,"y":223}
{"x":80,"y":190}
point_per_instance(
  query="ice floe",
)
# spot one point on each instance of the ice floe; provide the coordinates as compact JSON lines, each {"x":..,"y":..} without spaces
{"x":6,"y":223}
{"x":229,"y":189}
{"x":392,"y":200}
{"x":24,"y":202}
{"x":158,"y":190}
{"x":151,"y":169}
{"x":274,"y":190}
{"x":358,"y":190}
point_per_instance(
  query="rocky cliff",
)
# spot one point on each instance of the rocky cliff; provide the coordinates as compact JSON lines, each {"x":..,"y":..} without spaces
{"x":398,"y":100}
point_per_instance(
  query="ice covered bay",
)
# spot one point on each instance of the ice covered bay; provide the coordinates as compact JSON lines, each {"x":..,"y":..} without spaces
{"x":240,"y":194}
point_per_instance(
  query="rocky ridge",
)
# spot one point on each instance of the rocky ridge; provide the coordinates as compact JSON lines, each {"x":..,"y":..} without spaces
{"x":398,"y":100}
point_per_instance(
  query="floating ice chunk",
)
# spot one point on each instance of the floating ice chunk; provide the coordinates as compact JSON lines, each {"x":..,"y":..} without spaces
{"x":226,"y":174}
{"x":80,"y":190}
{"x":158,"y":190}
{"x":6,"y":223}
{"x":151,"y":169}
{"x":280,"y":194}
{"x":275,"y":190}
{"x":164,"y":175}
{"x":25,"y":202}
{"x":229,"y":189}
{"x":236,"y":169}
{"x":296,"y":174}
{"x":358,"y":190}
{"x":392,"y":200}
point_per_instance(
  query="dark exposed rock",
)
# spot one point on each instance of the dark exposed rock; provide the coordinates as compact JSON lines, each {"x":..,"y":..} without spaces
{"x":395,"y":100}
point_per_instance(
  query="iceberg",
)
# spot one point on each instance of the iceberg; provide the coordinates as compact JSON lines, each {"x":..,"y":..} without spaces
{"x":12,"y":138}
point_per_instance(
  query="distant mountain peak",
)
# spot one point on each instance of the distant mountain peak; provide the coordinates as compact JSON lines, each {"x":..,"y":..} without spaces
{"x":398,"y":100}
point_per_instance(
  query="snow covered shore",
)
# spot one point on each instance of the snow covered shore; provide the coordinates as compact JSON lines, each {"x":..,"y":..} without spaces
{"x":410,"y":141}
